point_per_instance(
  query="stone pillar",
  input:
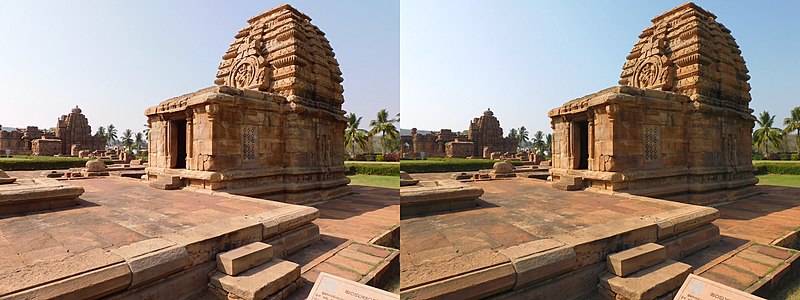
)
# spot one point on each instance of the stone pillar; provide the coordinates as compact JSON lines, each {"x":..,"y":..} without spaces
{"x":590,"y":141}
{"x":189,"y":141}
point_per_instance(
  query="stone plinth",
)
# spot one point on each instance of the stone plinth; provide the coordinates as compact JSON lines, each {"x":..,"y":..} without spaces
{"x":31,"y":195}
{"x":435,"y":196}
{"x":459,"y":149}
{"x":503,"y":169}
{"x":46,"y":147}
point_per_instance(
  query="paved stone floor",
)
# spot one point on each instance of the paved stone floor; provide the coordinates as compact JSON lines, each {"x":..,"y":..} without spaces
{"x":743,"y":258}
{"x":112,"y":212}
{"x":510,"y":212}
{"x":116,"y":211}
{"x":370,"y":212}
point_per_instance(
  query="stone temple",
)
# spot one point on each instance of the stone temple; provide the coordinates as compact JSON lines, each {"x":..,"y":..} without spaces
{"x":487,"y":136}
{"x":272,"y":125}
{"x":679,"y":125}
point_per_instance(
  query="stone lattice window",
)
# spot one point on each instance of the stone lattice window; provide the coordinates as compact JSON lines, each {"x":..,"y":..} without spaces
{"x":652,"y":137}
{"x":249,"y":143}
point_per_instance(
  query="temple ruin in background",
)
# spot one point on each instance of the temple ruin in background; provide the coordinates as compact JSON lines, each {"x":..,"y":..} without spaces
{"x":484,"y":137}
{"x":680,"y":125}
{"x":273,"y":125}
{"x":72,"y":134}
{"x":487,"y":136}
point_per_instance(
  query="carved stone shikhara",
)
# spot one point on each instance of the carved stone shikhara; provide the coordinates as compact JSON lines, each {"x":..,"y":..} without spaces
{"x":679,"y":126}
{"x":271,"y":126}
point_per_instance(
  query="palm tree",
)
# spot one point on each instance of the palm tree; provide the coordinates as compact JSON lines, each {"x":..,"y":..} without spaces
{"x":549,"y":142}
{"x":385,"y":127}
{"x":522,"y":136}
{"x":146,"y":131}
{"x":111,"y":134}
{"x":101,"y":131}
{"x":127,"y":139}
{"x":397,"y":118}
{"x":354,"y":135}
{"x":538,"y":141}
{"x":138,"y":142}
{"x":766,"y":133}
{"x":793,"y":124}
{"x":512,"y":134}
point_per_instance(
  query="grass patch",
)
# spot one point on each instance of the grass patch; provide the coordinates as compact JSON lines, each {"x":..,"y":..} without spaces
{"x":439,"y":165}
{"x":22,"y":162}
{"x":779,"y":180}
{"x":392,"y":182}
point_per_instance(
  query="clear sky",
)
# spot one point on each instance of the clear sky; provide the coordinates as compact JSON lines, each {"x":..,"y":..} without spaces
{"x":523,"y":58}
{"x":116,"y":58}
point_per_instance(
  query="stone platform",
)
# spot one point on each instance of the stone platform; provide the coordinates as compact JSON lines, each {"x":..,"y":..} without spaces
{"x":525,"y":240}
{"x":130,"y":241}
{"x":431,"y":196}
{"x":33,"y":195}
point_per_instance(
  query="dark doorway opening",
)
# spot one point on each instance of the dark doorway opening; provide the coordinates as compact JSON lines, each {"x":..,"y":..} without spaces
{"x":583,"y":140}
{"x":179,"y":131}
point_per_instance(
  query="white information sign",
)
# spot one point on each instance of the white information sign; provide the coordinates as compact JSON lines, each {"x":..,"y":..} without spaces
{"x":699,"y":288}
{"x":330,"y":287}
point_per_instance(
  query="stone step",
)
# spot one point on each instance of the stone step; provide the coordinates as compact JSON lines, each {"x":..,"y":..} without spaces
{"x":167,"y":182}
{"x":569,"y":183}
{"x":632,"y":260}
{"x":275,"y":278}
{"x":650,"y":283}
{"x":244,"y":258}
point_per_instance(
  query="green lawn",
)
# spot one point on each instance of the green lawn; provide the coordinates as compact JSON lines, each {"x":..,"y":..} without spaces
{"x":24,"y":162}
{"x":780,"y":180}
{"x":375,"y":180}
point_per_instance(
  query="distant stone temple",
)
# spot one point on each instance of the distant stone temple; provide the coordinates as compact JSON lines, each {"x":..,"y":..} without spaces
{"x":678,"y":128}
{"x":484,"y":137}
{"x":272,"y":127}
{"x":75,"y":134}
{"x":72,"y":134}
{"x":487,"y":136}
{"x":20,"y":140}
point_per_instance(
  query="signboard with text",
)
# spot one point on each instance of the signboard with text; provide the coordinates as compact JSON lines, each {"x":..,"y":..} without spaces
{"x":330,"y":287}
{"x":699,"y":288}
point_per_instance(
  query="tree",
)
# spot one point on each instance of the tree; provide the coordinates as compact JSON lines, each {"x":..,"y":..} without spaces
{"x":512,"y":134}
{"x":353,"y":135}
{"x":538,"y":141}
{"x":146,"y":131}
{"x":549,"y":142}
{"x":138,"y":142}
{"x":101,"y":131}
{"x":111,"y":134}
{"x":127,"y":139}
{"x":385,"y":126}
{"x":766,"y":134}
{"x":792,"y":123}
{"x":522,"y":137}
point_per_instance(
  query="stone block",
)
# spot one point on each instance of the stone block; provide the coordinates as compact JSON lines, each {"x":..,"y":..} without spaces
{"x":243,"y":258}
{"x":259,"y":282}
{"x":539,"y":260}
{"x":474,"y":285}
{"x":635,"y":259}
{"x":89,"y":285}
{"x":648,"y":283}
{"x":286,"y":218}
{"x":152,"y":259}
